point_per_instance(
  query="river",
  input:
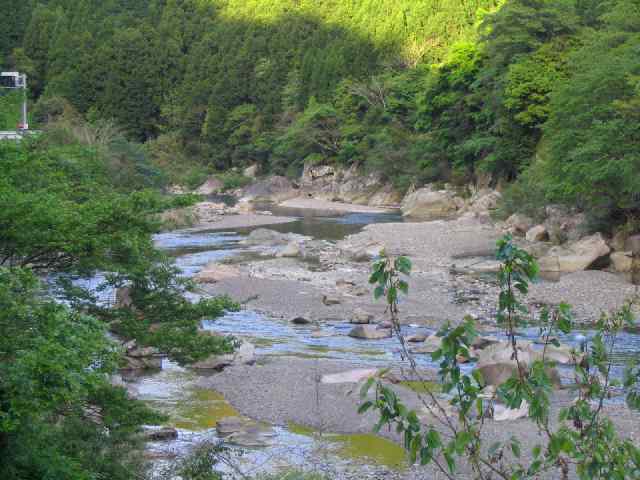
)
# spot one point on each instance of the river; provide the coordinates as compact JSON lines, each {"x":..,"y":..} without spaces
{"x":195,"y":411}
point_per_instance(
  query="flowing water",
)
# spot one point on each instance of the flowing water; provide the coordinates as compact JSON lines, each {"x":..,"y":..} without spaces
{"x":194,"y":412}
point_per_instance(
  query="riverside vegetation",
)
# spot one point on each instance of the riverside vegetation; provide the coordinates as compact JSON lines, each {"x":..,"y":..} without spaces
{"x":542,"y":96}
{"x":65,"y":215}
{"x":582,"y":441}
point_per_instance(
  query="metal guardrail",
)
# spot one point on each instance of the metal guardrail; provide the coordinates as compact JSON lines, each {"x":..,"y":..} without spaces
{"x":17,"y":134}
{"x":11,"y":135}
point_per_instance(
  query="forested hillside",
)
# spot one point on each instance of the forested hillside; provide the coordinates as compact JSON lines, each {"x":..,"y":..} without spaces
{"x":422,"y":90}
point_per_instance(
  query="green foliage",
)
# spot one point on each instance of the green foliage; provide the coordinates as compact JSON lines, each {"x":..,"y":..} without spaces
{"x":67,"y":214}
{"x":59,"y":416}
{"x":590,"y":154}
{"x":233,"y":180}
{"x":10,"y":109}
{"x":417,"y":90}
{"x":582,"y":437}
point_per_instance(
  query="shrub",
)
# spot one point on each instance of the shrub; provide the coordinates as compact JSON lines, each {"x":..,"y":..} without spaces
{"x":582,"y":438}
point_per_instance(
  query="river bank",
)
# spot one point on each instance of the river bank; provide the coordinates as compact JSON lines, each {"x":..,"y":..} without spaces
{"x":302,"y":277}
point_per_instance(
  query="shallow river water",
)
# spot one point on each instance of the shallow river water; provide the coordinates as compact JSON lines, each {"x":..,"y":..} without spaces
{"x":194,"y":412}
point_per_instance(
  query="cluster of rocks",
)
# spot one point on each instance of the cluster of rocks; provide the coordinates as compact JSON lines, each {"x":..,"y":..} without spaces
{"x":495,"y":357}
{"x":561,"y":246}
{"x":430,"y":203}
{"x":141,"y":358}
{"x":326,"y":182}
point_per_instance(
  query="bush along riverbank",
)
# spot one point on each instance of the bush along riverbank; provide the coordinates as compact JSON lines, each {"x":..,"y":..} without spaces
{"x":511,"y":381}
{"x":67,"y":217}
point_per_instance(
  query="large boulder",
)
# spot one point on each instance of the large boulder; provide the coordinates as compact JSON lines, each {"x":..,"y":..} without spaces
{"x":350,"y":376}
{"x":207,"y":212}
{"x":361,"y":316}
{"x":564,"y":224}
{"x":351,"y":185}
{"x":271,"y":189}
{"x":291,"y":249}
{"x":386,"y":196}
{"x":497,"y":365}
{"x":251,"y":171}
{"x":267,"y":238}
{"x":416,"y":338}
{"x":141,"y":358}
{"x":216,"y":272}
{"x":312,"y":173}
{"x":502,"y":413}
{"x":562,"y":354}
{"x":370,"y":332}
{"x":576,"y":256}
{"x":484,"y":201}
{"x":537,"y":234}
{"x":429,"y":204}
{"x":142,"y":363}
{"x":622,"y":261}
{"x":432,"y":343}
{"x":519,"y":224}
{"x":362,"y":253}
{"x":244,"y":432}
{"x":211,"y":186}
{"x":244,"y":355}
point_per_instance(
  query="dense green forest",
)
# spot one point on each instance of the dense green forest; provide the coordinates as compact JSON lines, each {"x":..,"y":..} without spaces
{"x":539,"y":96}
{"x":77,"y":200}
{"x":422,"y":90}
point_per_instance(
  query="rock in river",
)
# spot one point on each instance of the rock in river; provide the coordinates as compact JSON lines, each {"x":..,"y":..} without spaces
{"x":369,"y":332}
{"x":350,"y":376}
{"x":216,"y":272}
{"x":160,"y":434}
{"x":330,"y":300}
{"x":361,"y":316}
{"x":244,"y":355}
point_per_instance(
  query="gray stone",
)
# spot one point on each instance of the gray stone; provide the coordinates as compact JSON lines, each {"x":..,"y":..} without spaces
{"x":216,"y":272}
{"x":369,"y":332}
{"x":330,"y":300}
{"x":575,"y":256}
{"x":502,"y":413}
{"x":519,"y":223}
{"x":429,"y":204}
{"x":417,"y":338}
{"x":266,"y":237}
{"x":292,"y":249}
{"x":302,"y":320}
{"x":212,"y":185}
{"x":537,"y":234}
{"x":251,"y":171}
{"x":271,"y":189}
{"x":622,"y":261}
{"x":123,"y":297}
{"x":481,"y":342}
{"x":161,"y":434}
{"x":244,"y":355}
{"x":361,"y":316}
{"x":497,"y":365}
{"x":430,"y":344}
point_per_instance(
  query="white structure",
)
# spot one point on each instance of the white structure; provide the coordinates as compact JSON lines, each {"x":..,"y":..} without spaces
{"x":17,"y":80}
